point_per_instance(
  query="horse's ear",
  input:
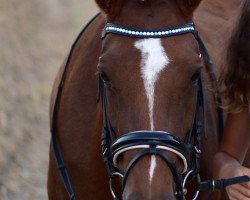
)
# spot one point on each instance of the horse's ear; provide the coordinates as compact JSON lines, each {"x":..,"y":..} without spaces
{"x":188,"y":6}
{"x":111,"y":8}
{"x":104,"y":5}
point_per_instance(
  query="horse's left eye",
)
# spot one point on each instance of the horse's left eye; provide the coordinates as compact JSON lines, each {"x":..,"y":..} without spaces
{"x":105,"y":78}
{"x":195,"y":78}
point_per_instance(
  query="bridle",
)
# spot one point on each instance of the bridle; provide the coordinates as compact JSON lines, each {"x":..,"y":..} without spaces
{"x":154,"y":142}
{"x":148,"y":142}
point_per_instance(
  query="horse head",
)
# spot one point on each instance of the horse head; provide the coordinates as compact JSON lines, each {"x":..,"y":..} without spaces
{"x":150,"y":81}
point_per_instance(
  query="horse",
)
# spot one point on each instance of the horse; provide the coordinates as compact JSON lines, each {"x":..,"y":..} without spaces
{"x":148,"y":95}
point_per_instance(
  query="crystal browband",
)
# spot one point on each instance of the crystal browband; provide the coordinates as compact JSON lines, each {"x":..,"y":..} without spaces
{"x":117,"y":29}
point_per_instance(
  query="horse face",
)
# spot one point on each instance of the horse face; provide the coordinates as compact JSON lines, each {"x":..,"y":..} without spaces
{"x":151,"y":82}
{"x":152,"y":86}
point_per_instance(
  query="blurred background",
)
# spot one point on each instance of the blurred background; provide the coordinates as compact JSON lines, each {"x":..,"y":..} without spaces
{"x":35,"y":37}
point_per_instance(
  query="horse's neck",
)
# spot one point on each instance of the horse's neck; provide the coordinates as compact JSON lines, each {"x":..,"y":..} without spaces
{"x":220,"y":8}
{"x":213,"y":13}
{"x":215,"y":21}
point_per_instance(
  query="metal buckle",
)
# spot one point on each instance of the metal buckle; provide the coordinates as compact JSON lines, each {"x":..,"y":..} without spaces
{"x":111,"y":184}
{"x":197,"y":192}
{"x":213,"y":184}
{"x":184,"y":183}
{"x":197,"y":150}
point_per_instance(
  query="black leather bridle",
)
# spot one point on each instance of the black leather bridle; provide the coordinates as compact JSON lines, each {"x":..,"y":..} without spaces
{"x":158,"y":142}
{"x":149,"y":142}
{"x":155,"y":142}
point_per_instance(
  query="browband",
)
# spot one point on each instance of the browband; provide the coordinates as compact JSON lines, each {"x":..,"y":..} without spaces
{"x":141,"y":33}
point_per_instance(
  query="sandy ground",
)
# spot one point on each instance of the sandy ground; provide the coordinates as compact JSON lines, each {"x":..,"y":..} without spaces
{"x":35,"y":36}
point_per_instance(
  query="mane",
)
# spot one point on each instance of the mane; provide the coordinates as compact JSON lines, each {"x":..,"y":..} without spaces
{"x":235,"y":79}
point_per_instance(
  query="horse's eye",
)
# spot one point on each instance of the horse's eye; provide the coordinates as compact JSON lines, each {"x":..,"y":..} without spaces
{"x":105,"y":78}
{"x":195,"y":78}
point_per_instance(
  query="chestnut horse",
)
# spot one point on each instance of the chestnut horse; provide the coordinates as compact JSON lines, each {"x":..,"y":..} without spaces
{"x":147,"y":86}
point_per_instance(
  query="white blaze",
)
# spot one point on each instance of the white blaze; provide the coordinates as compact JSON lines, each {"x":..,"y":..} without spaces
{"x":154,"y":60}
{"x":152,"y":168}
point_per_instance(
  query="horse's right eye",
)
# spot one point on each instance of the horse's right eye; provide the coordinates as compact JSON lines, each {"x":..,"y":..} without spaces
{"x":195,"y":78}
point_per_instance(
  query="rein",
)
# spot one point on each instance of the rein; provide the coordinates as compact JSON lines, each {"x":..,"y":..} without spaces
{"x":151,"y":142}
{"x":53,"y":130}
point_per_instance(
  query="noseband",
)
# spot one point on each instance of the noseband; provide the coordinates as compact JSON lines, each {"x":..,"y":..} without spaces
{"x":154,"y":142}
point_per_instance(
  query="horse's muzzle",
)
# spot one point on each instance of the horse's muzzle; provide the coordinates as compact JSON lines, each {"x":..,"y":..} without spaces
{"x":153,"y":197}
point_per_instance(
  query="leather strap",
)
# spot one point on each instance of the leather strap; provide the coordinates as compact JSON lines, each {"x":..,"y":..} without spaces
{"x":153,"y":151}
{"x":141,"y":33}
{"x":222,"y":183}
{"x":53,"y":129}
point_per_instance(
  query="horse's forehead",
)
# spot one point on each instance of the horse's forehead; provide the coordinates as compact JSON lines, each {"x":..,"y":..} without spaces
{"x":153,"y":60}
